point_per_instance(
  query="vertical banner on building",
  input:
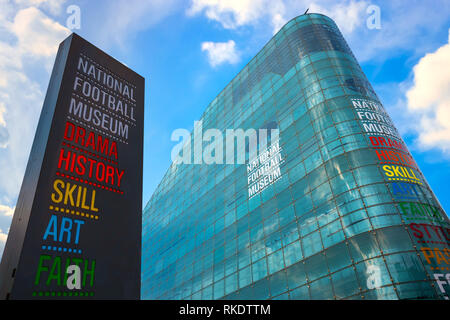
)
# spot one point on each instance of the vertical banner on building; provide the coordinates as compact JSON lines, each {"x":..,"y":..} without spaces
{"x":76,"y":230}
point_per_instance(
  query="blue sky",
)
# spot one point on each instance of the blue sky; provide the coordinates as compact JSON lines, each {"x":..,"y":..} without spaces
{"x":189,"y":50}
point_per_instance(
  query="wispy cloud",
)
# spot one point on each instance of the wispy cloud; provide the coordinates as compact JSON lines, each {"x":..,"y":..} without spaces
{"x":406,"y":27}
{"x":123,"y":19}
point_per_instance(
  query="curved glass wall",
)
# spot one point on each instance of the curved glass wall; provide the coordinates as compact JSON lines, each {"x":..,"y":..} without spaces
{"x":350,"y":216}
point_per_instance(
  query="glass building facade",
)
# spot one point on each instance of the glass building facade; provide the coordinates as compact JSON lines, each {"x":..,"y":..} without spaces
{"x":349,"y":214}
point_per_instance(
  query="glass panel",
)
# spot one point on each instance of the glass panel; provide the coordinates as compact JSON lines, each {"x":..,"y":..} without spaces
{"x":316,"y":267}
{"x":405,"y":267}
{"x":338,"y":257}
{"x":363,"y":246}
{"x":296,"y":275}
{"x":345,"y":283}
{"x":321,"y":289}
{"x":278,"y":283}
{"x":301,"y":293}
{"x":394,"y":239}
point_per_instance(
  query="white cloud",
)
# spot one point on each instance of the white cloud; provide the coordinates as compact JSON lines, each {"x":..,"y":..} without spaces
{"x":231,"y":14}
{"x":275,"y":13}
{"x":221,"y":52}
{"x":4,"y":135}
{"x":404,"y":24}
{"x":6,"y":211}
{"x":53,"y":6}
{"x":348,"y":15}
{"x":37,"y":34}
{"x":29,"y":40}
{"x":3,"y":237}
{"x":28,"y":43}
{"x":236,"y":13}
{"x":429,"y":99}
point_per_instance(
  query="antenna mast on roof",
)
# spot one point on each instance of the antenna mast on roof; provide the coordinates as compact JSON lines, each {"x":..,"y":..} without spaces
{"x":306,"y":11}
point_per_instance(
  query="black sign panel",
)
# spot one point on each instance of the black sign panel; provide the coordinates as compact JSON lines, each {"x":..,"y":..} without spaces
{"x":76,"y":231}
